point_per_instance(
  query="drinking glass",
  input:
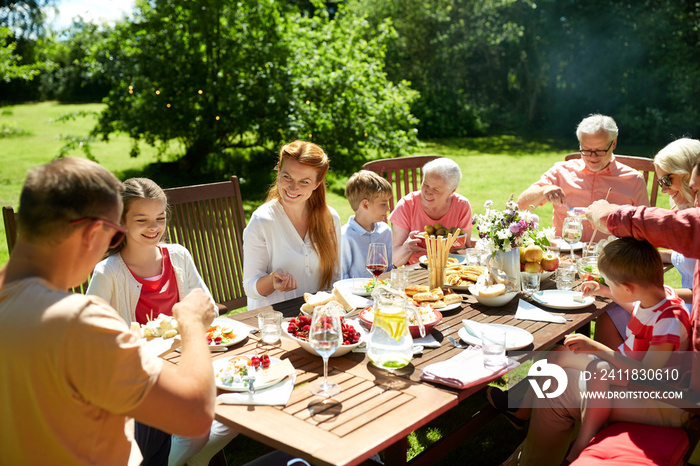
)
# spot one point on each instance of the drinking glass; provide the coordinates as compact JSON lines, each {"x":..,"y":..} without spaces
{"x":377,"y":260}
{"x":530,"y":282}
{"x":493,"y":346}
{"x":571,"y":232}
{"x":325,"y":336}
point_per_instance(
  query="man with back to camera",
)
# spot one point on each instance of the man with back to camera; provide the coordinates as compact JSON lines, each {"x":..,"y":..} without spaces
{"x":72,"y":374}
{"x":580,"y":182}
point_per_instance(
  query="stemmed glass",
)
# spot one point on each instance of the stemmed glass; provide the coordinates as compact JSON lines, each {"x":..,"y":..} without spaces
{"x":572,"y":229}
{"x":377,"y":261}
{"x":325,"y":336}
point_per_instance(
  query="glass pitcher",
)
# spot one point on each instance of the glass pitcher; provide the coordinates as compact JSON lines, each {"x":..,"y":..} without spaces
{"x":390,"y":345}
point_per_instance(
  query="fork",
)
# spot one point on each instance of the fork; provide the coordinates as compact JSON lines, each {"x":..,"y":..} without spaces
{"x":455,"y":343}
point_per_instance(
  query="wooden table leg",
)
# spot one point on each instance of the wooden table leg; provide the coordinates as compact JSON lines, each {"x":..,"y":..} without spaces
{"x":395,"y":455}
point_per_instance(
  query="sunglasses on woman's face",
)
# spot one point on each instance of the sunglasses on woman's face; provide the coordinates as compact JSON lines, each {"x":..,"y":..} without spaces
{"x":665,"y":181}
{"x":118,"y":236}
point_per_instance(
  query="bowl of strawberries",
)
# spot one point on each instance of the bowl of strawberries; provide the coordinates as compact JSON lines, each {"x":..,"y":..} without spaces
{"x":297,"y":329}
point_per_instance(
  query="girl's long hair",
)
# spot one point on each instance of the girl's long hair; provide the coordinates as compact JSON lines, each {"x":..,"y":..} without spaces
{"x":321,"y":228}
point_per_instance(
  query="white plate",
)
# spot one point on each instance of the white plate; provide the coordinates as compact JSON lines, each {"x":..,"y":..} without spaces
{"x":241,"y":330}
{"x":354,"y":285}
{"x":561,"y":299}
{"x":516,"y":337}
{"x":566,"y":247}
{"x":240,"y":387}
{"x":449,"y":307}
{"x":460,"y":257}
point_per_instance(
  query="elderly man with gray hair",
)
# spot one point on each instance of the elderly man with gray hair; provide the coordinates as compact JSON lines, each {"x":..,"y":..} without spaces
{"x":580,"y":182}
{"x":436,"y":202}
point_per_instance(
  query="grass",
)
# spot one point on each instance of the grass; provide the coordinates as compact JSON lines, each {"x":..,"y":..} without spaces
{"x":493,"y":168}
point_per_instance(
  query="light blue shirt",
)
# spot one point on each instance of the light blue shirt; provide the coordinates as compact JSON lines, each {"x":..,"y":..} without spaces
{"x":354,"y":244}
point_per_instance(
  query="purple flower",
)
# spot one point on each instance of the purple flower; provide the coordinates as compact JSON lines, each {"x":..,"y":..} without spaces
{"x":514,"y":228}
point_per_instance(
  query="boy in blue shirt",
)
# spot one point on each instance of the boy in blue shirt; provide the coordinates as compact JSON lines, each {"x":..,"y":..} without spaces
{"x":369,"y":195}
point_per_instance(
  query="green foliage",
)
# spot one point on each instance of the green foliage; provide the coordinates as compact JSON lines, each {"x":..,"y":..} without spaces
{"x":340,"y":96}
{"x":217,"y":76}
{"x":11,"y":66}
{"x":77,"y":77}
{"x":8,"y":131}
{"x":455,"y":53}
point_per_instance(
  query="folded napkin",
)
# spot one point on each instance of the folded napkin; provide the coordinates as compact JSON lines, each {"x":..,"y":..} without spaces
{"x":276,"y":395}
{"x":464,"y":370}
{"x":473,"y":328}
{"x":527,"y":311}
{"x":427,"y":341}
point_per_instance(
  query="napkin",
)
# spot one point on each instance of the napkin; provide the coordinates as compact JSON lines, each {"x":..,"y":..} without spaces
{"x":427,"y":341}
{"x":276,"y":395}
{"x":527,"y":311}
{"x":473,"y":328}
{"x":464,"y":370}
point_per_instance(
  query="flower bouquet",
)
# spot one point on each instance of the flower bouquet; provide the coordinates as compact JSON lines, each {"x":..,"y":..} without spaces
{"x":504,"y":230}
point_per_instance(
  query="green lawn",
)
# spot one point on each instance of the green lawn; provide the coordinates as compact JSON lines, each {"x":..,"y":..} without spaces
{"x":492,"y":167}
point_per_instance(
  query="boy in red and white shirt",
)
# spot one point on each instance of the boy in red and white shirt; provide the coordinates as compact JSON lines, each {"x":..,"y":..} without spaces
{"x":660,"y":324}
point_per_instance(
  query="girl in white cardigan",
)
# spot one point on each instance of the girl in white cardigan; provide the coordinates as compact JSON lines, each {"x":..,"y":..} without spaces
{"x":142,"y":278}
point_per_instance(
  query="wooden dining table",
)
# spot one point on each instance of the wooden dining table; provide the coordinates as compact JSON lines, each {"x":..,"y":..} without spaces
{"x":376,"y":410}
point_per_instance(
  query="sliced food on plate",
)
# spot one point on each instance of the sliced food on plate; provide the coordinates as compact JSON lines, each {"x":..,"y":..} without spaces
{"x":421,"y":295}
{"x":463,"y":276}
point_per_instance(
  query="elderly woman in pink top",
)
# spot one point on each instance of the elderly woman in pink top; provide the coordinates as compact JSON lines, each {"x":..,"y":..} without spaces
{"x":437,"y":201}
{"x":580,"y":182}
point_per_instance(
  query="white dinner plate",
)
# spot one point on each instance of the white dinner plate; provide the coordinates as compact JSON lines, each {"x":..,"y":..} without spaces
{"x":566,"y":247}
{"x":354,"y":285}
{"x":240,"y":329}
{"x":516,"y":337}
{"x":561,"y":299}
{"x":449,"y":307}
{"x":461,"y":258}
{"x":240,"y":386}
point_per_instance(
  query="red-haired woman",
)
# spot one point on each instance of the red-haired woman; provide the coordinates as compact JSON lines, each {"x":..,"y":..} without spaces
{"x":292,"y":243}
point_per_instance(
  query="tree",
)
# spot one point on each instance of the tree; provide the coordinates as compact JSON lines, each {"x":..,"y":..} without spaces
{"x":217,"y":75}
{"x":10,"y":63}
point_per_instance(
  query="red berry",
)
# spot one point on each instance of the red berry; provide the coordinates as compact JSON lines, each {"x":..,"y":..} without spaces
{"x":255,"y":360}
{"x":265,"y":360}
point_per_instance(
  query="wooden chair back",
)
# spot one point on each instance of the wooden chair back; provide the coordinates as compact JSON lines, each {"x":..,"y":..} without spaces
{"x":643,"y":164}
{"x":208,"y":220}
{"x":403,"y":173}
{"x":9,"y":217}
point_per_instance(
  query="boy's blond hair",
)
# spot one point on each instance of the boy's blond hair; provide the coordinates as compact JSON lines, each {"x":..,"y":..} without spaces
{"x":368,"y":185}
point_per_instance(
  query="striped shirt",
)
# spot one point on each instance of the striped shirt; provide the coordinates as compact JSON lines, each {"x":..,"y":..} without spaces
{"x":667,"y":322}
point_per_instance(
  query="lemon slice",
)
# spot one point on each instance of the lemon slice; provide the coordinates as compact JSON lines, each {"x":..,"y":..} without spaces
{"x":393,"y":323}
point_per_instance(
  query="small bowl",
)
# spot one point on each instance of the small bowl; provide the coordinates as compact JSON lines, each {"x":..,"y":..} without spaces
{"x":588,"y":266}
{"x":496,"y":301}
{"x":341,"y":351}
{"x":459,"y":243}
{"x":414,"y":329}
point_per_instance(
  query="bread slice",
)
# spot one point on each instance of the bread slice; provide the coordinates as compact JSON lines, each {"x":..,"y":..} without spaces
{"x":342,"y":299}
{"x":491,"y":291}
{"x":318,"y":299}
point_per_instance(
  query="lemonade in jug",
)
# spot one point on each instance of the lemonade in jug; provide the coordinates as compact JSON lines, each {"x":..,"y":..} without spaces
{"x":390,"y":345}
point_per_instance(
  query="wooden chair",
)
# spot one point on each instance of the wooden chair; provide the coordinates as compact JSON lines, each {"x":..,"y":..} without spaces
{"x":643,"y":164}
{"x":208,"y":220}
{"x":403,"y":173}
{"x":9,"y":217}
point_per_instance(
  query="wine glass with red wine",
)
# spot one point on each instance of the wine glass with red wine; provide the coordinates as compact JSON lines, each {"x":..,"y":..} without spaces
{"x":377,"y":261}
